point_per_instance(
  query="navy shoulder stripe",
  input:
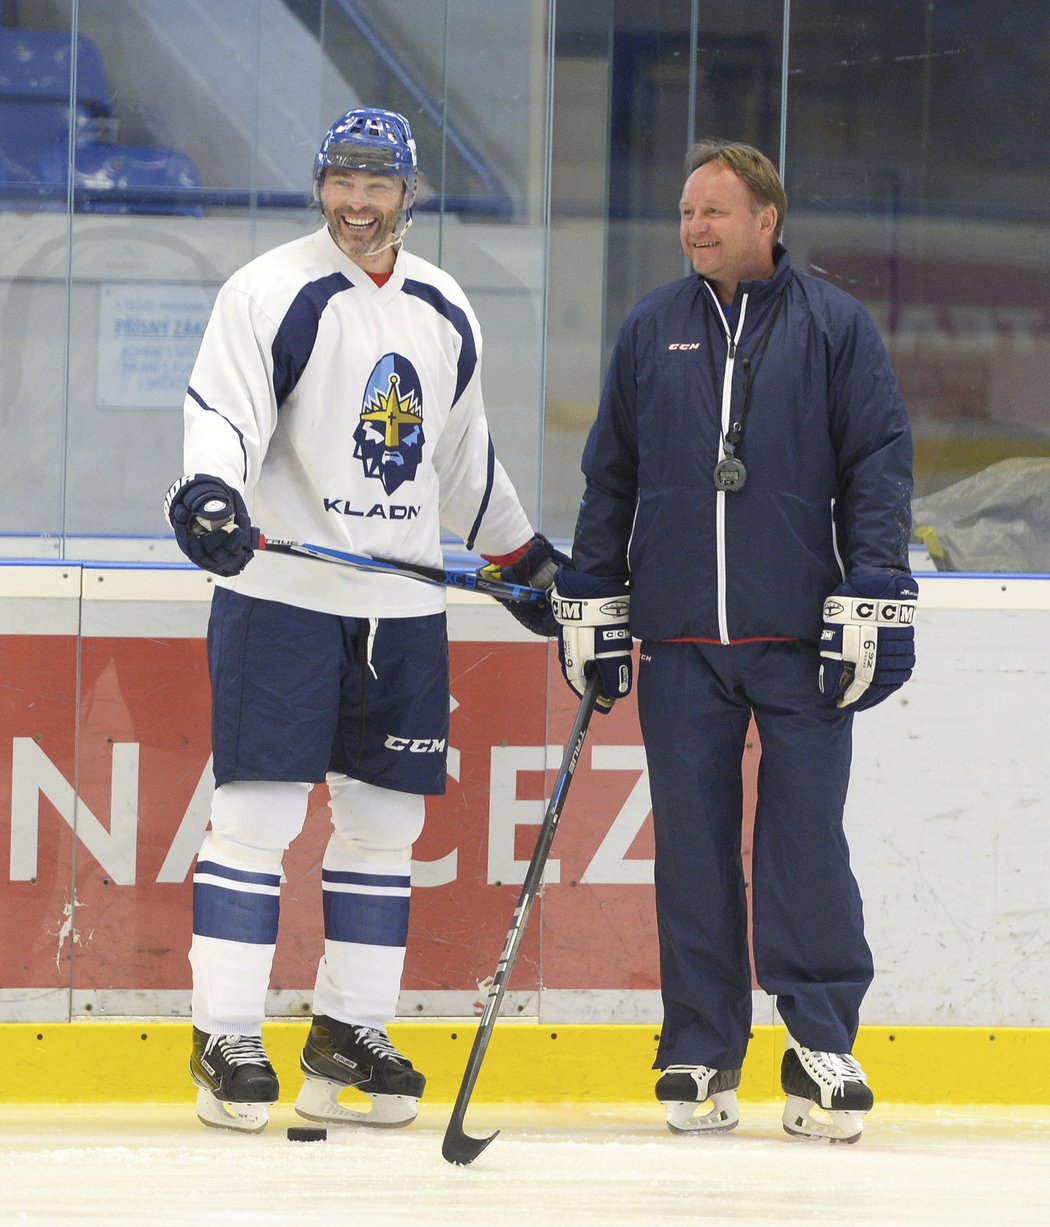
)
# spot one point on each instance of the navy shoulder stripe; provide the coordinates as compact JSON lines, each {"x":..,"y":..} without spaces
{"x":294,"y":342}
{"x":457,"y":317}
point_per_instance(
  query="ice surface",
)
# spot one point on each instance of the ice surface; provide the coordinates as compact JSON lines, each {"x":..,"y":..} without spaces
{"x":550,"y":1166}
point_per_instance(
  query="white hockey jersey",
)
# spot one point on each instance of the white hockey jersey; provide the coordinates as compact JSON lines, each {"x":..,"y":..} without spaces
{"x":350,"y":415}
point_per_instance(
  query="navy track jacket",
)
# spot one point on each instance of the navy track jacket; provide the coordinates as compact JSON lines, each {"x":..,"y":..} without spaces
{"x":826,"y":445}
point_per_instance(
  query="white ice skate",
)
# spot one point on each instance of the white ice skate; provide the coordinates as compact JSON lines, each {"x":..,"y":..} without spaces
{"x":337,"y":1056}
{"x":827,"y":1094}
{"x":684,"y":1089}
{"x":236,"y":1082}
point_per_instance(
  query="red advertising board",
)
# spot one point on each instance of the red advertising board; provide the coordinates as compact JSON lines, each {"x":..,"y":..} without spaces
{"x":109,"y":736}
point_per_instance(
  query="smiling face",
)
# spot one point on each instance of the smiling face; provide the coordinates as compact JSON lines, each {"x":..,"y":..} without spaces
{"x":727,"y":238}
{"x":362,"y":211}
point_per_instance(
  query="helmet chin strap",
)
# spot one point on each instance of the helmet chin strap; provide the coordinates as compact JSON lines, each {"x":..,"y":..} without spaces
{"x":395,"y":241}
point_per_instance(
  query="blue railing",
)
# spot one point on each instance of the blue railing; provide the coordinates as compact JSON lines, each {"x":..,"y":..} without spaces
{"x":194,"y":201}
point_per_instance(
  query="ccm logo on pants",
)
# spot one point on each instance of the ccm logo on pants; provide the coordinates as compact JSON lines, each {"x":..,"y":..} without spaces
{"x":416,"y":745}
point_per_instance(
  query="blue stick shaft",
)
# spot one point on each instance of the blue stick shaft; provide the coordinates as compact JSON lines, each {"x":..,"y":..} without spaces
{"x":469,"y":581}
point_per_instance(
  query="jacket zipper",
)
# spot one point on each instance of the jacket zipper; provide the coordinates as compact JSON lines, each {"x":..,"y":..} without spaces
{"x":720,"y":495}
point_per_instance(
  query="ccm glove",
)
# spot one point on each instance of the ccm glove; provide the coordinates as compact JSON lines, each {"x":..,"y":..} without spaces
{"x":535,"y":565}
{"x":211,"y":523}
{"x":868,"y":642}
{"x":594,"y":632}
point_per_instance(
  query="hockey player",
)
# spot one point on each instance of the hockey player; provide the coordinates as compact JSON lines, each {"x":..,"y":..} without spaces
{"x":746,"y":516}
{"x":336,"y":398}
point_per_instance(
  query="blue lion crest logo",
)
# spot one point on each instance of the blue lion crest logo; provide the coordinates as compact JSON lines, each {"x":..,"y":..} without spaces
{"x":389,"y":436}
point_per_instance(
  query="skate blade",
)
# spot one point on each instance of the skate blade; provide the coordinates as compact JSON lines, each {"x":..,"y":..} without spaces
{"x":319,"y":1101}
{"x":807,"y":1120}
{"x":243,"y":1117}
{"x":723,"y":1115}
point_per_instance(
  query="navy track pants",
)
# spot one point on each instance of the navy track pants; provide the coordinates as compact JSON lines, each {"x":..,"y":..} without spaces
{"x":695,"y":703}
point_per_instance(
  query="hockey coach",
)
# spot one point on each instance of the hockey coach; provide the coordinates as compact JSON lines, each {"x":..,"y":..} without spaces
{"x":746,"y":516}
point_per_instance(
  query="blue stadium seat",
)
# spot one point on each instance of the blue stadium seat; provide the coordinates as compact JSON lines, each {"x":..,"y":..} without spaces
{"x":36,"y":64}
{"x":135,"y":171}
{"x":35,"y":86}
{"x":35,"y":89}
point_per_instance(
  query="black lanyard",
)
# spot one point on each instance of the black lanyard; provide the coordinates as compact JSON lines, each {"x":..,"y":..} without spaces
{"x":730,"y":473}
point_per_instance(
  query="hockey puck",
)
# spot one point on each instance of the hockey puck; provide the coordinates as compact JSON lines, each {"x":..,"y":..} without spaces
{"x":301,"y":1133}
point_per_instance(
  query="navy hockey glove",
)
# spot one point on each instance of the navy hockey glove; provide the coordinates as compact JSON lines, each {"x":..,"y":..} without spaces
{"x":211,"y":523}
{"x":868,"y":642}
{"x":536,"y":567}
{"x":594,"y":630}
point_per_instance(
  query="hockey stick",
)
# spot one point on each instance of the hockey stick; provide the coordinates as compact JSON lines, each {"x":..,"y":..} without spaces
{"x":502,"y":590}
{"x":458,"y":1147}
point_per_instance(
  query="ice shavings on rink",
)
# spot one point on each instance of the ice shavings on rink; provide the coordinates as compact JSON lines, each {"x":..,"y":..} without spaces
{"x":570,"y":1164}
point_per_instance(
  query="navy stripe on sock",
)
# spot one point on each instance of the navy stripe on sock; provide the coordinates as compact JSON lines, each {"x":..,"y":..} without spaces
{"x":235,"y":915}
{"x":370,"y":920}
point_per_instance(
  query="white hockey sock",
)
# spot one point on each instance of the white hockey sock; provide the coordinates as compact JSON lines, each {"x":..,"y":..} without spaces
{"x":366,"y":906}
{"x":236,"y":902}
{"x":229,"y":985}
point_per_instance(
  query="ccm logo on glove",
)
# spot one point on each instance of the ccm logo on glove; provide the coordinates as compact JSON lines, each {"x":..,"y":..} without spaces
{"x":867,"y":645}
{"x":888,"y":612}
{"x":594,"y":632}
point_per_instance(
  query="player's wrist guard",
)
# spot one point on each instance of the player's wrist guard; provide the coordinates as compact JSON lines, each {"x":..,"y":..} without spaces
{"x":867,"y":646}
{"x":594,"y":630}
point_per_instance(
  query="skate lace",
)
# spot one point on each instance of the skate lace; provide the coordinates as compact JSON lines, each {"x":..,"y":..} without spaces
{"x":239,"y":1049}
{"x":700,"y":1074}
{"x":834,"y":1069}
{"x":377,"y":1043}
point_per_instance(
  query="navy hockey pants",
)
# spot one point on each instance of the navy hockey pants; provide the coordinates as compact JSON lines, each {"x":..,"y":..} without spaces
{"x":297,"y":693}
{"x":695,"y":702}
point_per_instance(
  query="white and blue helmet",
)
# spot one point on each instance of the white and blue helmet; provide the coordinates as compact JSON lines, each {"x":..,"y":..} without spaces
{"x":368,"y":139}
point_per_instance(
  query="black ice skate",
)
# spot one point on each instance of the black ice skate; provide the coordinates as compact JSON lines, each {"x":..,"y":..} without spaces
{"x":682,"y":1089}
{"x":338,"y":1055}
{"x":236,"y":1080}
{"x":834,"y":1084}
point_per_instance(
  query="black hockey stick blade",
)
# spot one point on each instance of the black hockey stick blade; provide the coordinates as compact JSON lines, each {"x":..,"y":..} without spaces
{"x":471,"y":581}
{"x":458,"y":1146}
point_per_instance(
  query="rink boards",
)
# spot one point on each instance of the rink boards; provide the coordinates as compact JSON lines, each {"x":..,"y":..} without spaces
{"x":105,"y":782}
